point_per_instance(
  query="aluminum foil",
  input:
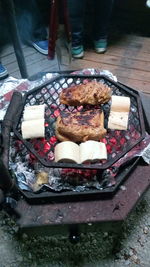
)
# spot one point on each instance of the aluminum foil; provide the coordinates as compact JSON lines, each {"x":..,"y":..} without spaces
{"x":9,"y":85}
{"x":32,"y":176}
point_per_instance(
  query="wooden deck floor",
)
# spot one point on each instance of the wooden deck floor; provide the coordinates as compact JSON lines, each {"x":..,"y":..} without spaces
{"x":128,"y":58}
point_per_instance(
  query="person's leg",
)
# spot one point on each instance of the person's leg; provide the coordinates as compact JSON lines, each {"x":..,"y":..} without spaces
{"x":103,"y":9}
{"x":32,"y":27}
{"x":76,"y":9}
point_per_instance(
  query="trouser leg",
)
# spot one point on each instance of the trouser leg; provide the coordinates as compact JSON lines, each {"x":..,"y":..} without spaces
{"x":102,"y":14}
{"x":76,"y":10}
{"x":30,"y":22}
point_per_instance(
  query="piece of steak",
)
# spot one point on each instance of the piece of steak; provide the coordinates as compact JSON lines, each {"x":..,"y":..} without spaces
{"x":92,"y":93}
{"x":80,"y":126}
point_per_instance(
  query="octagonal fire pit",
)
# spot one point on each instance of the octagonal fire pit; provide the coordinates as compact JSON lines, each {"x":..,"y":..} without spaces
{"x":115,"y":203}
{"x":67,"y":180}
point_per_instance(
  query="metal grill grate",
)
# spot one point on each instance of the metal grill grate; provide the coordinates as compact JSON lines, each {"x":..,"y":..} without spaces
{"x":118,"y":143}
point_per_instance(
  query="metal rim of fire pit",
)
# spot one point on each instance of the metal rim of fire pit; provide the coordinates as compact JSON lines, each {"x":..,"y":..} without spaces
{"x":36,"y":97}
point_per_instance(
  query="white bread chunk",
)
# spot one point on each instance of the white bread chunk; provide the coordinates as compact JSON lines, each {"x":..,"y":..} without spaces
{"x":35,"y":112}
{"x":33,"y":129}
{"x":67,"y":151}
{"x":120,"y":103}
{"x":92,"y":151}
{"x":118,"y":121}
{"x":119,"y":113}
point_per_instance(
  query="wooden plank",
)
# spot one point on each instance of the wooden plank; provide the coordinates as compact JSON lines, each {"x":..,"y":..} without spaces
{"x":120,"y":61}
{"x":128,"y":58}
{"x":138,"y":79}
{"x":8,"y":49}
{"x":120,"y":70}
{"x":35,"y":61}
{"x":131,"y":42}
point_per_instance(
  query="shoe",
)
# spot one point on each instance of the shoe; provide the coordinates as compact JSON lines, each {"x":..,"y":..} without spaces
{"x":41,"y":46}
{"x":77,"y":51}
{"x":3,"y":71}
{"x":100,"y":46}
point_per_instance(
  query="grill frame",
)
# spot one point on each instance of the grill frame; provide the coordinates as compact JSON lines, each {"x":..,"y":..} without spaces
{"x":95,"y":166}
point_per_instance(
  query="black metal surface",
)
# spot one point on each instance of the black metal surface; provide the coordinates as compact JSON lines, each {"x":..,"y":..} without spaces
{"x":145,"y":100}
{"x":6,"y":182}
{"x":9,"y":119}
{"x":49,"y":94}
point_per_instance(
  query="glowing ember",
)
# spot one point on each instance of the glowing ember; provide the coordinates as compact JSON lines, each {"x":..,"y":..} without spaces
{"x":56,"y":113}
{"x":53,"y":140}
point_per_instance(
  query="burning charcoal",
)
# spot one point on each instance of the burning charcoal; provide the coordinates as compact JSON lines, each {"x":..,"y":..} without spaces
{"x":49,"y":127}
{"x":113,"y":141}
{"x":56,"y":113}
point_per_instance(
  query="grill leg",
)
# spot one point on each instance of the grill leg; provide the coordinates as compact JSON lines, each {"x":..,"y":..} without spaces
{"x":66,"y":21}
{"x":53,"y":27}
{"x":9,"y":9}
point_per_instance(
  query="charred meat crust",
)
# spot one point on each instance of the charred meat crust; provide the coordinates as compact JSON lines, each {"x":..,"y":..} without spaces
{"x":80,"y":126}
{"x":92,"y":93}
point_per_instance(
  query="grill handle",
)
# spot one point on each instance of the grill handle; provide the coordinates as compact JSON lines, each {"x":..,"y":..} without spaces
{"x":10,"y":117}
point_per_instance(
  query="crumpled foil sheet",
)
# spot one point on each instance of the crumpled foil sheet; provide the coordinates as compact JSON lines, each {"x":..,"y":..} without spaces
{"x":32,"y":176}
{"x":9,"y":85}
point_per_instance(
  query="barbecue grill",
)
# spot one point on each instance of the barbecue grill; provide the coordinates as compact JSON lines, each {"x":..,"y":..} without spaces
{"x":69,"y":204}
{"x":49,"y":95}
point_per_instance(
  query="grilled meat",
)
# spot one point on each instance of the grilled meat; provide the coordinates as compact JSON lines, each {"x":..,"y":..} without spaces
{"x":92,"y":93}
{"x":80,"y":126}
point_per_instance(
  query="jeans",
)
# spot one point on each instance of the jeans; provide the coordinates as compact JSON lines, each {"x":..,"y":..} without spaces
{"x":102,"y":13}
{"x":30,"y":23}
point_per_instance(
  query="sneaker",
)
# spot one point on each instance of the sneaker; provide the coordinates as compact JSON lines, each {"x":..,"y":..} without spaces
{"x":100,"y":46}
{"x":77,"y":51}
{"x":3,"y":71}
{"x":41,"y":46}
